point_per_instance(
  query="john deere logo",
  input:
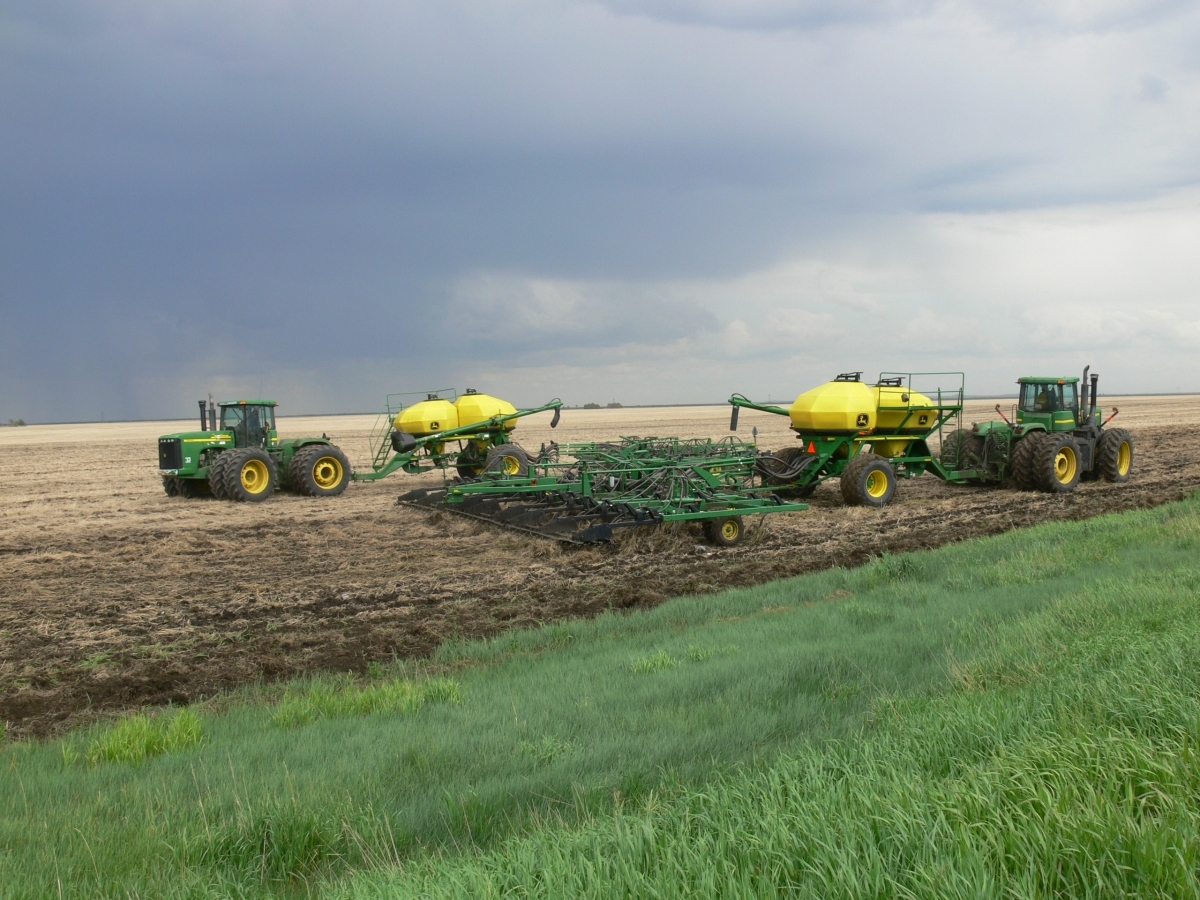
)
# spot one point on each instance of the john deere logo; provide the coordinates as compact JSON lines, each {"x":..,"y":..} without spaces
{"x":923,"y":420}
{"x":433,"y":425}
{"x":862,"y":420}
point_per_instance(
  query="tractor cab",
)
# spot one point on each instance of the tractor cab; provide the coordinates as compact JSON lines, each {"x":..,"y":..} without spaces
{"x":252,"y":422}
{"x":1052,"y":403}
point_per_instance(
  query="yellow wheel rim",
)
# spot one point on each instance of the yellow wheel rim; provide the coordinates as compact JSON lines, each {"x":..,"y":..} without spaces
{"x":729,"y":529}
{"x":1065,"y":465}
{"x":511,"y":465}
{"x":327,"y":472}
{"x":1124,"y":458}
{"x":877,"y":484}
{"x":255,"y":476}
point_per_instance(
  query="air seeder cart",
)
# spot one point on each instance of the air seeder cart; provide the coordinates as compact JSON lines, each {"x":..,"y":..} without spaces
{"x":471,"y":433}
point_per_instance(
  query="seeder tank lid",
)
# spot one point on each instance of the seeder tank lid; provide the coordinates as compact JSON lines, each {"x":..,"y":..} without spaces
{"x":247,"y":403}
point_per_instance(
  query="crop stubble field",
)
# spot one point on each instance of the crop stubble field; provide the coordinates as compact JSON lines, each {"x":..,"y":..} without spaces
{"x":116,"y":596}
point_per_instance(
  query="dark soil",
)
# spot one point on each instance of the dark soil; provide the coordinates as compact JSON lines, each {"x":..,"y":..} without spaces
{"x":122,"y":614}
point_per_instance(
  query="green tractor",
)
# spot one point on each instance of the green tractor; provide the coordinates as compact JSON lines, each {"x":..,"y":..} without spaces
{"x":1056,"y":440}
{"x":244,"y":459}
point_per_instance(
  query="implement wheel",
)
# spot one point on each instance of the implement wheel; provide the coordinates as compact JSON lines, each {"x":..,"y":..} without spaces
{"x":470,"y":461}
{"x":319,"y":470}
{"x":1056,"y":464}
{"x":508,"y":460}
{"x":724,"y":532}
{"x":250,"y":475}
{"x":1114,"y":453}
{"x":868,"y":480}
{"x":1022,"y":460}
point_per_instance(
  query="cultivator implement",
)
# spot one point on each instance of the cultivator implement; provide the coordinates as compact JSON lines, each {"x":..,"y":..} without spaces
{"x":583,"y":493}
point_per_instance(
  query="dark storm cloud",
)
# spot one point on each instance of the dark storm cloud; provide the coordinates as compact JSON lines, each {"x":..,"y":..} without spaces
{"x":197,"y":190}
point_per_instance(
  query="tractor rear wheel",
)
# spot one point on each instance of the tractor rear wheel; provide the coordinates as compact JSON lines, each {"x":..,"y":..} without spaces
{"x":961,"y":450}
{"x":1056,"y":464}
{"x":508,"y":460}
{"x":1114,"y":453}
{"x":1022,"y":460}
{"x":319,"y":470}
{"x":868,"y":480}
{"x":250,"y":475}
{"x":724,"y":532}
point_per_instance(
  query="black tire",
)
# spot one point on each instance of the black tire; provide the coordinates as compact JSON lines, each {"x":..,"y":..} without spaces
{"x":725,"y":531}
{"x":508,"y":460}
{"x":1022,"y":460}
{"x":190,"y":488}
{"x":868,"y":480}
{"x":216,"y":474}
{"x":319,"y":470}
{"x":470,"y":462}
{"x":250,"y":475}
{"x":773,"y":465}
{"x":1114,"y":455}
{"x":961,"y":450}
{"x":1056,"y":466}
{"x":171,"y":485}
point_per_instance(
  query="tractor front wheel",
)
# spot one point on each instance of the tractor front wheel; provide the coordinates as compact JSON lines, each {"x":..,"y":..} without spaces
{"x":250,"y":475}
{"x":171,"y":485}
{"x":1056,"y":464}
{"x":868,"y":480}
{"x":724,"y":532}
{"x":508,"y":460}
{"x":1114,"y":453}
{"x":319,"y":470}
{"x":216,"y":473}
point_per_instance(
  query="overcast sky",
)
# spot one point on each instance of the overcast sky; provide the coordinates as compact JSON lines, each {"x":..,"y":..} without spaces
{"x":633,"y":200}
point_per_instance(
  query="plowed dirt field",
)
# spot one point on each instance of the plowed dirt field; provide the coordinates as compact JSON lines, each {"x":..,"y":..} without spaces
{"x":115,"y":596}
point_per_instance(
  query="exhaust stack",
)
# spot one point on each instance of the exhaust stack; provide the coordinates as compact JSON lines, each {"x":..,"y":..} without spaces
{"x":203,"y":418}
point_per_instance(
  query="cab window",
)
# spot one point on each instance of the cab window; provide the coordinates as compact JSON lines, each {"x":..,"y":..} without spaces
{"x":1040,"y":398}
{"x":232,"y":417}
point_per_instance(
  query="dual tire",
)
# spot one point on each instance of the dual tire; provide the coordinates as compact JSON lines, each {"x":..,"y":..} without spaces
{"x":248,"y":475}
{"x":319,"y":470}
{"x":1052,"y":462}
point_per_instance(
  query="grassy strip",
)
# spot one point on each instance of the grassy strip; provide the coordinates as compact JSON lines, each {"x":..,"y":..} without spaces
{"x":326,"y":699}
{"x":137,"y":738}
{"x":558,"y":724}
{"x":1064,"y":764}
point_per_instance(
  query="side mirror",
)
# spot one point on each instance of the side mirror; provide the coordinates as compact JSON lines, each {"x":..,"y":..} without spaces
{"x":733,"y":418}
{"x":557,"y":416}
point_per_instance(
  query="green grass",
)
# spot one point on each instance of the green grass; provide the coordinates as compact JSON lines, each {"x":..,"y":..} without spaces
{"x":324,"y":698}
{"x":139,"y":737}
{"x":917,"y":725}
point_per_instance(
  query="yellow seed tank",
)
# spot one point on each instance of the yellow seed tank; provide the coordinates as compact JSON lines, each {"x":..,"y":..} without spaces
{"x":427,"y":417}
{"x":474,"y":408}
{"x":851,"y":407}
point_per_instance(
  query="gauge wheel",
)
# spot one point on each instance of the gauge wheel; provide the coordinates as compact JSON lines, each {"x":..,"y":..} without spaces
{"x":725,"y":531}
